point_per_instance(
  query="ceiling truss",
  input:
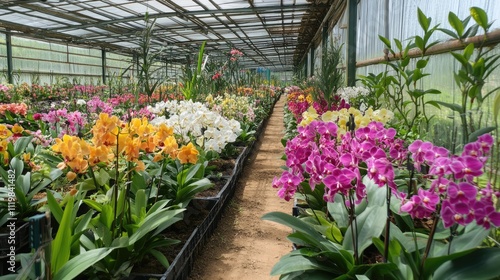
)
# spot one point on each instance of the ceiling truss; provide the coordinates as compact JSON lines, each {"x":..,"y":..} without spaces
{"x":273,"y":34}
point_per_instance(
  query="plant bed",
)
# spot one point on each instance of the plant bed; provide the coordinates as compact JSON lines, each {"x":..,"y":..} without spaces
{"x":195,"y":216}
{"x":199,"y":223}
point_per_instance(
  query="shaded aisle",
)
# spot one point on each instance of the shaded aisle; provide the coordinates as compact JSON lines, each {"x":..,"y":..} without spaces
{"x":243,"y":246}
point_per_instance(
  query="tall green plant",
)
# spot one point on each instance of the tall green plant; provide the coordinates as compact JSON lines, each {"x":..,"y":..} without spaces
{"x":147,"y":59}
{"x":191,"y":80}
{"x":403,"y":88}
{"x":330,"y":75}
{"x":477,"y":63}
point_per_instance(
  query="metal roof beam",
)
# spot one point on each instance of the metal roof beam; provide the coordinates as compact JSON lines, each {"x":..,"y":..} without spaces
{"x":268,"y":9}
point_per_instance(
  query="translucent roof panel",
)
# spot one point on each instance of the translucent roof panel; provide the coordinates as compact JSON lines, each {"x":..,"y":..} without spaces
{"x":273,"y":34}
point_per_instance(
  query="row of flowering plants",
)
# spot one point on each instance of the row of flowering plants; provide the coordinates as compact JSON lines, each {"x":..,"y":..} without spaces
{"x":371,"y":205}
{"x":113,"y":172}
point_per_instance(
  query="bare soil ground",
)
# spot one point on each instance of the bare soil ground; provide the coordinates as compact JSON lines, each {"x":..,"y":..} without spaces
{"x":243,"y":246}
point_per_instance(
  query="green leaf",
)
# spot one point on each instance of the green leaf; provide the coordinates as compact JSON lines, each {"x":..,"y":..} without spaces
{"x":84,"y":221}
{"x":370,"y":224}
{"x":102,"y":177}
{"x":419,"y":42}
{"x":468,"y":52}
{"x":338,"y":211}
{"x":140,"y":202}
{"x":87,"y":185}
{"x":405,"y":61}
{"x":80,"y":263}
{"x":432,"y":91}
{"x":55,"y":208}
{"x":456,"y":23}
{"x":432,"y":264}
{"x":454,"y":107}
{"x":496,"y":106}
{"x":480,"y":16}
{"x":386,"y":41}
{"x":460,"y":58}
{"x":471,"y":238}
{"x":313,"y":237}
{"x":61,"y":245}
{"x":474,"y":135}
{"x":398,"y":44}
{"x":160,"y":257}
{"x":449,"y":33}
{"x":153,"y":221}
{"x":92,"y":204}
{"x":295,"y":262}
{"x":18,"y":166}
{"x":423,"y":20}
{"x":422,"y":63}
{"x":478,"y":264}
{"x":21,"y":144}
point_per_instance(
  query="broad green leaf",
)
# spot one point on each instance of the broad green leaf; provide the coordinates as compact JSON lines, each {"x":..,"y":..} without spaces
{"x":370,"y":224}
{"x":460,"y":58}
{"x":291,"y":263}
{"x":385,"y":41}
{"x":24,"y":182}
{"x":153,"y":221}
{"x":334,"y":234}
{"x":398,"y":44}
{"x":338,"y":211}
{"x":61,"y":245}
{"x":421,"y":63}
{"x":468,"y":52}
{"x":419,"y":42}
{"x":474,"y":135}
{"x":478,"y":264}
{"x":84,"y":221}
{"x":471,"y":238}
{"x":456,"y":23}
{"x":314,"y":238}
{"x":87,"y":185}
{"x":405,"y":61}
{"x":21,"y":144}
{"x":432,"y":264}
{"x":78,"y":264}
{"x":18,"y":166}
{"x":55,"y":208}
{"x":102,"y":177}
{"x":187,"y":192}
{"x":480,"y":16}
{"x":423,"y":20}
{"x":160,"y":257}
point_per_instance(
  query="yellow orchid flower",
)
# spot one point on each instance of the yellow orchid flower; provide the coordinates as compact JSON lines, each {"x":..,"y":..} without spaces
{"x":188,"y":153}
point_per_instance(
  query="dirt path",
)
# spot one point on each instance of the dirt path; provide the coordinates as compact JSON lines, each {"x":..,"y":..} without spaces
{"x":243,"y":246}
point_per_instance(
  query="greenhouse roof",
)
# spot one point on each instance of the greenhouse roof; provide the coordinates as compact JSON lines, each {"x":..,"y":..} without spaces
{"x":273,"y":34}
